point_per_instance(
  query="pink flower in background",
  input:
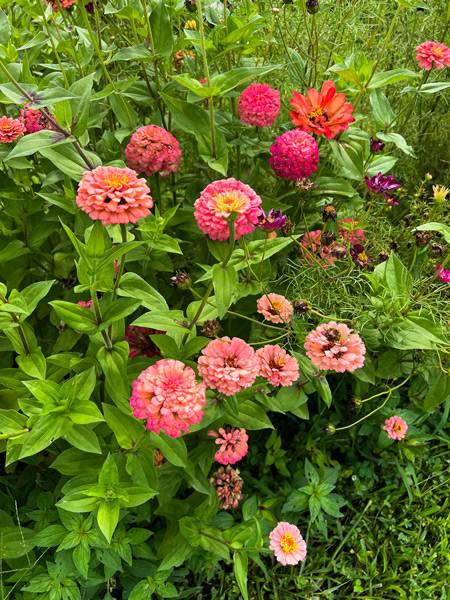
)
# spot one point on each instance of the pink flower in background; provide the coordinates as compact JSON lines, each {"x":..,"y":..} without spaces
{"x":114,"y":195}
{"x":151,"y":150}
{"x":65,"y":4}
{"x":139,"y":341}
{"x":10,"y":129}
{"x":295,"y":155}
{"x":228,"y":365}
{"x":232,"y":445}
{"x":84,"y":304}
{"x":228,"y":486}
{"x":333,"y":346}
{"x":277,"y":366}
{"x":33,"y":120}
{"x":203,"y":80}
{"x":169,"y":397}
{"x":259,"y":105}
{"x":312,"y":241}
{"x":275,"y":308}
{"x":348,"y":229}
{"x":433,"y":52}
{"x":396,"y":428}
{"x":443,"y":275}
{"x":219,"y":200}
{"x":287,"y":543}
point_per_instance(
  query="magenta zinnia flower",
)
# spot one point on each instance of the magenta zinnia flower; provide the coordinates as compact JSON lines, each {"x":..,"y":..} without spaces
{"x":151,"y":150}
{"x":376,"y":145}
{"x":360,"y":257}
{"x":433,"y":52}
{"x":295,"y":155}
{"x":274,"y":220}
{"x":443,"y":275}
{"x":114,"y":195}
{"x":223,"y":200}
{"x":287,"y":543}
{"x":259,"y":105}
{"x":396,"y":428}
{"x":139,"y":341}
{"x":277,"y":366}
{"x":169,"y":397}
{"x":10,"y":129}
{"x":33,"y":120}
{"x":228,"y":365}
{"x":232,"y":445}
{"x":333,"y":346}
{"x":275,"y":308}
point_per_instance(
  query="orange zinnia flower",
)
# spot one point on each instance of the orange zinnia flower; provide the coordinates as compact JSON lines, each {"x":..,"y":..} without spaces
{"x":326,"y":113}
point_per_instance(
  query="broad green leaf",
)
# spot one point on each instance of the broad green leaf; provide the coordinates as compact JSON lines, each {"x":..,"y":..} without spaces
{"x":139,"y":52}
{"x":78,"y":317}
{"x":162,"y":30}
{"x":135,"y":287}
{"x":126,"y":428}
{"x":15,"y":541}
{"x":387,"y":77}
{"x":174,"y":449}
{"x":223,"y":278}
{"x":47,"y":429}
{"x":164,"y":320}
{"x":67,"y":159}
{"x":413,"y":4}
{"x":240,"y":560}
{"x":83,"y":438}
{"x":33,"y":364}
{"x":381,"y":108}
{"x":36,"y":142}
{"x":108,"y":517}
{"x":251,"y":416}
{"x":231,"y":79}
{"x":5,"y":28}
{"x":398,"y":140}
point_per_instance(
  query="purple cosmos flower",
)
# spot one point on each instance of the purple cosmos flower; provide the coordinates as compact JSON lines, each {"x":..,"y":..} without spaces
{"x":360,"y":257}
{"x":274,"y":220}
{"x":443,"y":274}
{"x":381,"y":184}
{"x":376,"y":145}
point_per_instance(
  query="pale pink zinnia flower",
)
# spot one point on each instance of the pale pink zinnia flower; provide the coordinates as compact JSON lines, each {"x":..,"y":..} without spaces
{"x":10,"y":129}
{"x":287,"y":543}
{"x":259,"y":105}
{"x":433,"y":52}
{"x":152,"y":149}
{"x":114,"y":195}
{"x":396,"y":428}
{"x":232,"y":445}
{"x":169,"y":397}
{"x":333,"y":346}
{"x":228,"y":365}
{"x":219,"y":200}
{"x":275,"y":308}
{"x":311,"y":240}
{"x":277,"y":366}
{"x":295,"y":155}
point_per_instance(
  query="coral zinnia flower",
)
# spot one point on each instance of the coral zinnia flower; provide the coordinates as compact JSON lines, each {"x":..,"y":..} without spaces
{"x":139,"y":341}
{"x":169,"y":397}
{"x":220,"y":202}
{"x":277,"y":366}
{"x":65,"y":4}
{"x":275,"y":308}
{"x":228,"y":486}
{"x":326,"y":113}
{"x":10,"y":129}
{"x":232,"y":445}
{"x":348,"y":229}
{"x":287,"y":543}
{"x":333,"y":346}
{"x":433,"y":52}
{"x":228,"y":365}
{"x":396,"y":428}
{"x":152,"y":149}
{"x":312,"y":241}
{"x":114,"y":195}
{"x":295,"y":155}
{"x":259,"y":105}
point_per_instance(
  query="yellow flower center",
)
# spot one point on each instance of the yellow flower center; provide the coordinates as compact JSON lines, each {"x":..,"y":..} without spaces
{"x":229,"y":202}
{"x":115,"y":180}
{"x":437,"y":50}
{"x":319,"y":112}
{"x":398,"y":428}
{"x":288,"y":544}
{"x":362,"y":256}
{"x":277,"y":305}
{"x":276,"y":364}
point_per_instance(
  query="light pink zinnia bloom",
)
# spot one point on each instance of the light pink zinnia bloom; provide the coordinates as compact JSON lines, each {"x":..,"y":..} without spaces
{"x":348,"y":229}
{"x":221,"y":198}
{"x":333,"y":346}
{"x":287,"y":543}
{"x":275,"y":308}
{"x":396,"y":428}
{"x":277,"y":366}
{"x":152,"y":149}
{"x":10,"y":129}
{"x":312,"y":241}
{"x":114,"y":195}
{"x":84,"y":304}
{"x":169,"y":397}
{"x":232,"y":445}
{"x":295,"y":155}
{"x":433,"y":52}
{"x":228,"y":365}
{"x":259,"y":105}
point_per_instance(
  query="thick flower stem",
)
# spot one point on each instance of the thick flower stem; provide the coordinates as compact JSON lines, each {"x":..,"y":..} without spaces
{"x":208,"y":80}
{"x":98,"y":316}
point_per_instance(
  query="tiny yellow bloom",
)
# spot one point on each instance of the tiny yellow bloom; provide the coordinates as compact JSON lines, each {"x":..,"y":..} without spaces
{"x":440,"y":193}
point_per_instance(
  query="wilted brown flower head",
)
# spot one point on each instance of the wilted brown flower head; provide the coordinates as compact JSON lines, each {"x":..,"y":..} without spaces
{"x":436,"y":249}
{"x":210,"y":327}
{"x":328,"y":213}
{"x":287,"y":228}
{"x":383,"y":256}
{"x":300,"y":307}
{"x":228,"y":485}
{"x":328,"y":237}
{"x":158,"y":458}
{"x":422,"y":238}
{"x":338,"y":250}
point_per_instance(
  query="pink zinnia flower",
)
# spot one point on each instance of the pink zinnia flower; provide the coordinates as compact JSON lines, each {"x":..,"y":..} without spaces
{"x":443,"y":275}
{"x":275,"y":308}
{"x":232,"y":445}
{"x":277,"y":366}
{"x":312,"y":241}
{"x":152,"y":149}
{"x":139,"y":341}
{"x":228,"y":365}
{"x":348,"y":229}
{"x":295,"y":155}
{"x":259,"y":105}
{"x":396,"y":428}
{"x":114,"y":195}
{"x":33,"y":120}
{"x":169,"y":397}
{"x":219,"y":200}
{"x":287,"y":543}
{"x":10,"y":129}
{"x":65,"y":4}
{"x":433,"y":52}
{"x":333,"y":346}
{"x":84,"y":304}
{"x":203,"y":80}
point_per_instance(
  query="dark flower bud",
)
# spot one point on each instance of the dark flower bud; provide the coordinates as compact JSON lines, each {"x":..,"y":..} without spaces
{"x":301,"y":307}
{"x":408,"y":220}
{"x":181,"y":280}
{"x":338,"y":250}
{"x":328,"y":237}
{"x":409,"y":244}
{"x":287,"y":228}
{"x":436,"y":249}
{"x":383,"y":256}
{"x":376,"y":145}
{"x":210,"y":327}
{"x":190,"y":4}
{"x":312,"y":6}
{"x":393,"y":244}
{"x":329,"y":429}
{"x":332,"y":334}
{"x":328,"y":212}
{"x":422,"y":238}
{"x":354,"y":403}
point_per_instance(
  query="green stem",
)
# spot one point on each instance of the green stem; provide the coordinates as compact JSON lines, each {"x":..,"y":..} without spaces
{"x":98,"y":316}
{"x":41,"y":8}
{"x":208,"y":80}
{"x":7,"y":436}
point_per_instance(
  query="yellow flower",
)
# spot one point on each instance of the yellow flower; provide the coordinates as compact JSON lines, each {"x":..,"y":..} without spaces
{"x":190,"y":25}
{"x":440,"y":193}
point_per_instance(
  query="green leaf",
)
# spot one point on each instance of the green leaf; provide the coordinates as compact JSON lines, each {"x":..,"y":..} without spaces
{"x":137,"y":494}
{"x":44,"y":390}
{"x":195,"y":86}
{"x":174,"y":449}
{"x":138,"y":52}
{"x":36,"y":142}
{"x":413,"y":3}
{"x":251,"y":416}
{"x":50,"y":536}
{"x":193,"y":530}
{"x":33,"y":364}
{"x":81,"y":105}
{"x":135,"y":287}
{"x":398,"y":140}
{"x":350,"y":156}
{"x":166,"y":243}
{"x":223,"y":278}
{"x":83,"y":438}
{"x":109,"y":475}
{"x":381,"y":108}
{"x":437,"y":393}
{"x":75,"y":462}
{"x":47,"y":429}
{"x":444,"y":229}
{"x":432,"y":88}
{"x":162,"y":30}
{"x":78,"y":317}
{"x":114,"y":366}
{"x":34,"y":293}
{"x":398,"y":280}
{"x":5,"y":28}
{"x":117,"y":310}
{"x":240,"y":560}
{"x":108,"y":517}
{"x":164,"y":320}
{"x":179,"y":551}
{"x":66,"y":159}
{"x":231,"y":79}
{"x":126,"y":428}
{"x":387,"y":77}
{"x":15,"y":541}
